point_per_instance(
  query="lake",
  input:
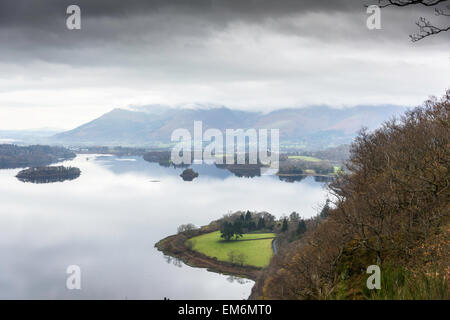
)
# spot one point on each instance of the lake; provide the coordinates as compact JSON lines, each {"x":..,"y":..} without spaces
{"x":108,"y":220}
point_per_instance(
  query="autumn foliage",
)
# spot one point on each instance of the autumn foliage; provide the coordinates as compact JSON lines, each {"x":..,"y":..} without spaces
{"x":390,"y":209}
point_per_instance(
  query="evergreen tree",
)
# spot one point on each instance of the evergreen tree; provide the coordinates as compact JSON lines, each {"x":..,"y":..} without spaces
{"x":237,"y":229}
{"x":284,"y":227}
{"x":227,"y":230}
{"x":248,"y":220}
{"x":301,"y":227}
{"x":261,"y":223}
{"x":325,"y":210}
{"x":248,"y":216}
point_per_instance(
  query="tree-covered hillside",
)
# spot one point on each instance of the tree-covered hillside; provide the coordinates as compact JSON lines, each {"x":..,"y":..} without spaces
{"x":390,"y":209}
{"x":12,"y":156}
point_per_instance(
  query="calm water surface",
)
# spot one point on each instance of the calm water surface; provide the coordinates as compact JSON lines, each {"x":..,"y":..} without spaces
{"x":108,"y":220}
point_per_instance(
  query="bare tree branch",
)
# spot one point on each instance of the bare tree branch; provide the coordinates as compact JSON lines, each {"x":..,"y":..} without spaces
{"x":404,"y":3}
{"x":426,"y":28}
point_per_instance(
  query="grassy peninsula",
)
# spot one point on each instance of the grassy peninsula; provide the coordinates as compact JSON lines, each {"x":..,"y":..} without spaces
{"x":254,"y":249}
{"x":238,"y":244}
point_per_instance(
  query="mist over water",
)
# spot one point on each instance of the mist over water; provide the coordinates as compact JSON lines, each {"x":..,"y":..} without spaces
{"x":108,"y":220}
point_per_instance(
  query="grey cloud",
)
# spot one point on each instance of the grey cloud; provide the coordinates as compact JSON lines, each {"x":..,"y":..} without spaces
{"x":264,"y":53}
{"x":116,"y":31}
{"x":34,"y":11}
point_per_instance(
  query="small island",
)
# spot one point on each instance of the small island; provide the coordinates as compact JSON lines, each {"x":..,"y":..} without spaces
{"x":293,"y":165}
{"x":163,"y":158}
{"x":189,"y":174}
{"x":48,"y":174}
{"x":242,"y":170}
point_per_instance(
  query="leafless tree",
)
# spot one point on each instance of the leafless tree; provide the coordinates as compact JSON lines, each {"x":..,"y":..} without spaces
{"x":426,"y":27}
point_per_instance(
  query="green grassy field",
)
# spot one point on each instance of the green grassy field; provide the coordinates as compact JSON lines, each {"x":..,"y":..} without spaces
{"x":337,"y":169}
{"x":305,"y":158}
{"x":258,"y":252}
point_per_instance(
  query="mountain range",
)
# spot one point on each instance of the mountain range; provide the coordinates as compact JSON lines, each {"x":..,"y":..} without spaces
{"x":311,"y":128}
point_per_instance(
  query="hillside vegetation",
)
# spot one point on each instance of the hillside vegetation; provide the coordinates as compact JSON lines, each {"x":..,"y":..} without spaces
{"x":390,"y":209}
{"x":12,"y":156}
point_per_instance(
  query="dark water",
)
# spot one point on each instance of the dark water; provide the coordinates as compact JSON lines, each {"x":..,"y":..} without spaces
{"x":108,"y":220}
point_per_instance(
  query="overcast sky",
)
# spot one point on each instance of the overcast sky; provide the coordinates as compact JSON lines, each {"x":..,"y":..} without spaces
{"x":252,"y":55}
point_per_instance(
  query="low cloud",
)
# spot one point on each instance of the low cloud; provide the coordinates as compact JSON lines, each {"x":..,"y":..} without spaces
{"x":257,"y":55}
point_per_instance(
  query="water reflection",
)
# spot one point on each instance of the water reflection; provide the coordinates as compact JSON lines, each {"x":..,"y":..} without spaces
{"x":239,"y":280}
{"x":173,"y":260}
{"x":292,"y":178}
{"x":108,"y":220}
